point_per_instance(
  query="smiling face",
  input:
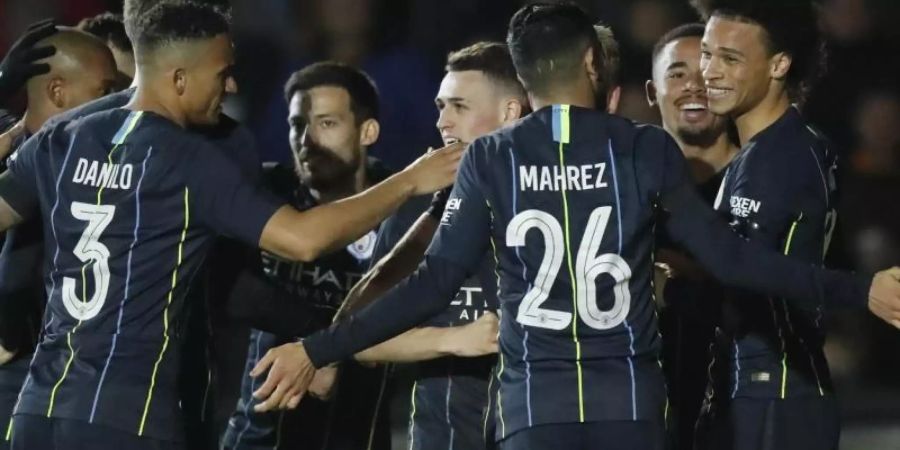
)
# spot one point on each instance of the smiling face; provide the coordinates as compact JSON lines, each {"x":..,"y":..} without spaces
{"x":736,"y":65}
{"x":680,"y":91}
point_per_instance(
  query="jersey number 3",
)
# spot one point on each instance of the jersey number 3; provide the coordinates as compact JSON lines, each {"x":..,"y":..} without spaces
{"x":89,"y":250}
{"x":588,"y":266}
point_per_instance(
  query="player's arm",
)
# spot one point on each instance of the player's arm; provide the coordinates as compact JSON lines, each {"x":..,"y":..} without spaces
{"x":421,"y":344}
{"x":457,"y":249}
{"x":736,"y":262}
{"x":304,"y":236}
{"x":399,"y":263}
{"x":257,"y":302}
{"x":18,"y":186}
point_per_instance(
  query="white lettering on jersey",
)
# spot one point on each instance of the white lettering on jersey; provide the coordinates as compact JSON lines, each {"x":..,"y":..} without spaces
{"x":106,"y":175}
{"x":453,"y":205}
{"x":554,"y":178}
{"x":743,"y":207}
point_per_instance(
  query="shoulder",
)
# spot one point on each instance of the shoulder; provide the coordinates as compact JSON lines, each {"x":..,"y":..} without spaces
{"x":111,"y":101}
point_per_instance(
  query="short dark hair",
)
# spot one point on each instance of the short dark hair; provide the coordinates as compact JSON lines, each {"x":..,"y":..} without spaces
{"x":687,"y":30}
{"x":132,"y":10}
{"x":790,"y":26}
{"x":490,"y":58}
{"x":110,"y":28}
{"x":362,"y":90}
{"x":547,"y":41}
{"x":167,"y":23}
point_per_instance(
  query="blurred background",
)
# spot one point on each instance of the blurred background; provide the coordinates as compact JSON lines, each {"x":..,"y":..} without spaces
{"x":402,"y":44}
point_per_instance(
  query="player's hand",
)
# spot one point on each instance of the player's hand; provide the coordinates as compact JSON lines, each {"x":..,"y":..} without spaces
{"x":290,"y":372}
{"x":6,"y":355}
{"x":477,"y":338}
{"x":322,"y":386}
{"x":884,"y":296}
{"x":19,"y":64}
{"x":6,"y":139}
{"x":434,"y":170}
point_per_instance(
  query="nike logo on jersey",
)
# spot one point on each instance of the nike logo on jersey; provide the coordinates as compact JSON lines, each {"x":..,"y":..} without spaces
{"x":106,"y":175}
{"x":556,"y":178}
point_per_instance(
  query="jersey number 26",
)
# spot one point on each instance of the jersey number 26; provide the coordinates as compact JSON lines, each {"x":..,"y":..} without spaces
{"x":588,"y":266}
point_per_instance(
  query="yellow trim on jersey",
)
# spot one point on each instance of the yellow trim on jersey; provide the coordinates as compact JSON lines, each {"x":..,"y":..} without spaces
{"x":500,"y":399}
{"x":787,"y":249}
{"x":129,"y":128}
{"x":412,"y":415}
{"x":9,"y":429}
{"x":564,"y":138}
{"x":162,"y":352}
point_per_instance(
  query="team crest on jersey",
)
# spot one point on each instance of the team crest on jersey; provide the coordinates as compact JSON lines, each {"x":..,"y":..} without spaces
{"x":363,"y":247}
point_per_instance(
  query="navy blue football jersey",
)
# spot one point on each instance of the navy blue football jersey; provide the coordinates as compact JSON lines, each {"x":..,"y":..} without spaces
{"x":568,"y":199}
{"x":558,"y":195}
{"x":450,"y":395}
{"x":131,"y":203}
{"x":780,"y":192}
{"x":353,"y":419}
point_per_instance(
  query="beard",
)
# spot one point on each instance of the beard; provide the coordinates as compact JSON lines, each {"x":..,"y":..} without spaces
{"x":321,"y":169}
{"x":703,"y":137}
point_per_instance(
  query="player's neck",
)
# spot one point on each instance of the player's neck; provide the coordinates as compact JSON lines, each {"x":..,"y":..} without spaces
{"x":758,"y":118}
{"x":35,"y":118}
{"x":582,"y":96}
{"x":705,"y":161}
{"x":144,"y":99}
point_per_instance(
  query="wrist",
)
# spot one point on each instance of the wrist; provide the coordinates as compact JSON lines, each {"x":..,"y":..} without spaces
{"x":448,"y":341}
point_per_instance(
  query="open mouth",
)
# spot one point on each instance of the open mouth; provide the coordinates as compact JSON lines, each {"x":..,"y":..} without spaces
{"x":450,"y":140}
{"x":693,"y":111}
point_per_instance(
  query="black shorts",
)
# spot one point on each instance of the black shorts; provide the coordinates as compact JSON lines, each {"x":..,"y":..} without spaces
{"x":42,"y":433}
{"x":810,"y":423}
{"x":607,"y":435}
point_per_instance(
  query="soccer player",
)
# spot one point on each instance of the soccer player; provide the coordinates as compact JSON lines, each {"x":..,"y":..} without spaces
{"x":771,"y":386}
{"x":568,"y":197}
{"x":479,"y":94}
{"x":111,"y":29}
{"x":334,"y":119}
{"x":131,"y":199}
{"x":689,"y":313}
{"x":82,"y":69}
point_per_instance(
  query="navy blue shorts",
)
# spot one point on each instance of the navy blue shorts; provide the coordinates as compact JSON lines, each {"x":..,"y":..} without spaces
{"x":42,"y":433}
{"x":811,"y":423}
{"x":606,"y":435}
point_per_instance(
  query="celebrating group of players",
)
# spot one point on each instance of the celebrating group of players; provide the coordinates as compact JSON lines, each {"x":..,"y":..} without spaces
{"x":526,"y":294}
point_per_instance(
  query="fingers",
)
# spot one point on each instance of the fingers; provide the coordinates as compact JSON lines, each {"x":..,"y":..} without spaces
{"x":295,"y":401}
{"x":34,"y":54}
{"x":36,"y":69}
{"x":275,"y":399}
{"x":38,"y":31}
{"x":263,"y":364}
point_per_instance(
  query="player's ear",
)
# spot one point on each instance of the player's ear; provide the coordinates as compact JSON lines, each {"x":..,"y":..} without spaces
{"x":368,"y":132}
{"x":56,"y":92}
{"x":612,"y":100}
{"x":591,"y":65}
{"x":179,"y":79}
{"x":779,"y":65}
{"x":650,"y":90}
{"x":512,"y":110}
